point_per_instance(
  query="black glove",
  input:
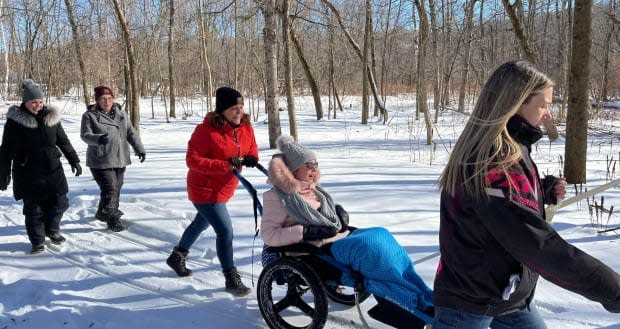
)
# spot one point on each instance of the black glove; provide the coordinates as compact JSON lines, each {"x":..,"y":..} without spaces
{"x":343,"y":215}
{"x":250,"y":161}
{"x":315,"y":232}
{"x":103,"y":139}
{"x":547,"y":184}
{"x":76,"y":169}
{"x":4,"y":182}
{"x":141,"y":156}
{"x":236,"y":161}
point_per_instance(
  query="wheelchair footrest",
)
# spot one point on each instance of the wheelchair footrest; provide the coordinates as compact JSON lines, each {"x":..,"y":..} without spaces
{"x":394,"y":315}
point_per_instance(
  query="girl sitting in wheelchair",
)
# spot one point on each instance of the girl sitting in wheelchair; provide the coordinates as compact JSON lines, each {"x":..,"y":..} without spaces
{"x":298,"y":210}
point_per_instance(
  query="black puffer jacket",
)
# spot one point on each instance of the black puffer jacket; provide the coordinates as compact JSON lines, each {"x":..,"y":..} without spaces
{"x":31,"y":145}
{"x":484,"y":242}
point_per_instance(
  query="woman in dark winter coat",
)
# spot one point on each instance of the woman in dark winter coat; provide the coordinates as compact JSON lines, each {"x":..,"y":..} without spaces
{"x":32,"y":142}
{"x":493,"y":235}
{"x":108,"y":133}
{"x":297,"y":209}
{"x":223,"y":142}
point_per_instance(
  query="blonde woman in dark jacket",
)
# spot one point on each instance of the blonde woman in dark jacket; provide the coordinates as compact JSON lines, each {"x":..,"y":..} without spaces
{"x":32,"y":142}
{"x":109,"y":134}
{"x":493,"y":236}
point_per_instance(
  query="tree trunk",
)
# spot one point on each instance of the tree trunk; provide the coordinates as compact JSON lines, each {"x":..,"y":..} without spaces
{"x":5,"y":59}
{"x":134,"y":111}
{"x":517,"y":25}
{"x":365,"y":64}
{"x":288,"y":68}
{"x":421,"y":97}
{"x":78,"y":50}
{"x":358,"y":51}
{"x":436,"y":65}
{"x":270,"y":41}
{"x":606,"y":52}
{"x":314,"y":86}
{"x":578,"y":101}
{"x":469,"y":19}
{"x":171,"y":60}
{"x":207,"y":85}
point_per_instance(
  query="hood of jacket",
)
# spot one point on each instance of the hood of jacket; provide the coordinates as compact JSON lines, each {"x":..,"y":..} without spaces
{"x":281,"y":177}
{"x":20,"y":114}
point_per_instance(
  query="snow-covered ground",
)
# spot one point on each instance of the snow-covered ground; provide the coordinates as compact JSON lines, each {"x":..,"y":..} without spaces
{"x":384,"y":175}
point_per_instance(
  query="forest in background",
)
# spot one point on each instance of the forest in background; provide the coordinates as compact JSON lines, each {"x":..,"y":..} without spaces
{"x":202,"y":44}
{"x":440,"y":51}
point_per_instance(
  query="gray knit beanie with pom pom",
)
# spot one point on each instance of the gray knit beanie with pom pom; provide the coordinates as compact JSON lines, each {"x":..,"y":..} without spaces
{"x":295,"y":154}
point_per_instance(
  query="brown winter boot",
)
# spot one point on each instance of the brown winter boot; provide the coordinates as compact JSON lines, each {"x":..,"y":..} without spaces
{"x":234,"y":284}
{"x":176,"y":261}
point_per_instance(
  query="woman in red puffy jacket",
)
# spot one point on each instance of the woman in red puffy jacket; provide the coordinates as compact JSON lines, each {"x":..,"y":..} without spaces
{"x":222,"y":142}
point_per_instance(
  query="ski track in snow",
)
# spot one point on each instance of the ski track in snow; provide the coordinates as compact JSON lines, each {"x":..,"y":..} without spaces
{"x":111,"y":257}
{"x":102,"y":247}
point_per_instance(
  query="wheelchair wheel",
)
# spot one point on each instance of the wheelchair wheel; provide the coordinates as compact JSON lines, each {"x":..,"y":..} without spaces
{"x":291,"y":296}
{"x":345,"y":295}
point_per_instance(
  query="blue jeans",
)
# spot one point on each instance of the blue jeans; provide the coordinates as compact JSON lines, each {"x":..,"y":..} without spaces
{"x":216,"y":215}
{"x":449,"y":318}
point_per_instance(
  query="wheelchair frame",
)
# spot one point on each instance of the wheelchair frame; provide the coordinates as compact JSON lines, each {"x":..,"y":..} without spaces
{"x":293,"y":290}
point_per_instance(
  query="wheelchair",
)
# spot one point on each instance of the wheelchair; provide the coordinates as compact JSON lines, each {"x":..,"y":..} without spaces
{"x":294,"y":287}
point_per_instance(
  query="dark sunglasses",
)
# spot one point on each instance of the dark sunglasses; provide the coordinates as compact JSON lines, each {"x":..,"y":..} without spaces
{"x":312,"y":165}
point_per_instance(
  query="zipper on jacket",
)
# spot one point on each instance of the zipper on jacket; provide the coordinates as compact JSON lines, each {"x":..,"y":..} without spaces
{"x":236,"y":139}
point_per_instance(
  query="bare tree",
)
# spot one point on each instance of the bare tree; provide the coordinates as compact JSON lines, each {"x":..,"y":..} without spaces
{"x":171,"y":59}
{"x":421,"y":94}
{"x":270,"y":41}
{"x":365,"y":63}
{"x":78,"y":50}
{"x":517,"y":25}
{"x":578,"y":100}
{"x":207,"y":84}
{"x":133,"y":104}
{"x":469,"y":19}
{"x":358,"y":51}
{"x":312,"y":83}
{"x":607,"y":51}
{"x":5,"y":57}
{"x":288,"y":68}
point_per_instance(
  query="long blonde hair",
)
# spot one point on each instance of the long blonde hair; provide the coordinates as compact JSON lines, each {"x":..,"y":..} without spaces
{"x":485,"y":142}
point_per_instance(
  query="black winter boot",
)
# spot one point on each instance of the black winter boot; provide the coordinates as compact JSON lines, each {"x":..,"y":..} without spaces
{"x":116,"y":225}
{"x":176,"y":261}
{"x":234,"y":284}
{"x":37,"y":249}
{"x":56,"y":238}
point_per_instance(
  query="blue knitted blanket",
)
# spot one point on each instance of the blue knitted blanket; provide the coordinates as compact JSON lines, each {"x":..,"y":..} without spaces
{"x":385,"y":266}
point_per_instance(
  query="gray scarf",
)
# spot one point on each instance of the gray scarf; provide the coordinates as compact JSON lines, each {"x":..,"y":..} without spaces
{"x":300,"y":210}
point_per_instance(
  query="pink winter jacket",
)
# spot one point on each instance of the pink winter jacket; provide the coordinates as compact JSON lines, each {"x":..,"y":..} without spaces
{"x":277,"y":227}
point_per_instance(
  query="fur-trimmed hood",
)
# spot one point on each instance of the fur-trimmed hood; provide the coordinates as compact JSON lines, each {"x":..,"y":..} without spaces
{"x":21,"y":115}
{"x":281,"y":177}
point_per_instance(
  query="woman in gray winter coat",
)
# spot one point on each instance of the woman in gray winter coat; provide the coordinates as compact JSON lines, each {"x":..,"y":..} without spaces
{"x":108,"y":133}
{"x":32,"y":142}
